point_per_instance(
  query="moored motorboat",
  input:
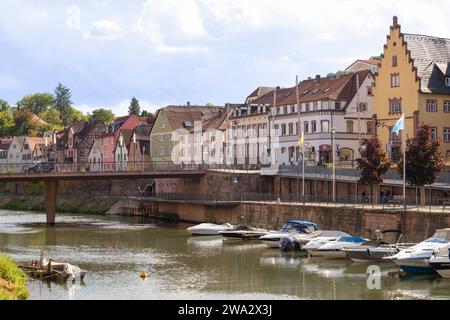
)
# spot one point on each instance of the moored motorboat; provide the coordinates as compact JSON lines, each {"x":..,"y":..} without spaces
{"x":376,"y":250}
{"x":53,"y":269}
{"x":416,"y":259}
{"x":209,"y":229}
{"x":244,"y":233}
{"x":272,"y":240}
{"x":333,"y":249}
{"x":441,"y":264}
{"x":297,"y":242}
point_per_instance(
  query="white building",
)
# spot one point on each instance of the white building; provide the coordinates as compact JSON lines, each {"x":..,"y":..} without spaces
{"x":325,"y":103}
{"x":95,"y":156}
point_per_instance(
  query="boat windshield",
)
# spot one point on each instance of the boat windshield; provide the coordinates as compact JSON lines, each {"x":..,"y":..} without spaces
{"x":351,"y":239}
{"x":441,"y":236}
{"x":297,"y":228}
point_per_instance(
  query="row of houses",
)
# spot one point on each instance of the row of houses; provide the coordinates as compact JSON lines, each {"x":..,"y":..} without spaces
{"x":91,"y":144}
{"x":412,"y":78}
{"x":318,"y":119}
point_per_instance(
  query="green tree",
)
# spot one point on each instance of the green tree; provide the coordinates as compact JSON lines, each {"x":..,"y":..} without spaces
{"x":6,"y":124}
{"x":375,"y":58}
{"x":135,"y":108}
{"x":52,"y":117}
{"x":373,"y":163}
{"x":76,"y":115}
{"x":107,"y":116}
{"x":423,"y":160}
{"x":4,"y":106}
{"x":36,"y":103}
{"x":24,"y":124}
{"x":63,"y":104}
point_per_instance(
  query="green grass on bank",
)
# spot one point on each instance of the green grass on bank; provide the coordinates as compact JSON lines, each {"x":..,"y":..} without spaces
{"x":12,"y":280}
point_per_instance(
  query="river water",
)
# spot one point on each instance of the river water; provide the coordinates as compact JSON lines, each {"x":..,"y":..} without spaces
{"x":115,"y":250}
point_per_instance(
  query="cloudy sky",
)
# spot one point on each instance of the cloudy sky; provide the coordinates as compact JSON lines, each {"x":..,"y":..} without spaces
{"x":173,"y":51}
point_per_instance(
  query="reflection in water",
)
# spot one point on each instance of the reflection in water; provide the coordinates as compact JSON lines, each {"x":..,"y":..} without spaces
{"x":115,"y":250}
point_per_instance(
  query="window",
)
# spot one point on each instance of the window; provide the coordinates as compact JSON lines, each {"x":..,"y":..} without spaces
{"x":325,"y":124}
{"x":431,"y":105}
{"x":278,"y":110}
{"x":307,"y":107}
{"x":363,"y":107}
{"x":285,"y":110}
{"x":313,"y":126}
{"x":369,"y":91}
{"x":306,"y":127}
{"x":283,"y":129}
{"x":337,"y":105}
{"x":315,"y":105}
{"x":161,"y":151}
{"x":446,"y":106}
{"x":395,"y":80}
{"x":162,"y":125}
{"x":369,"y":127}
{"x":434,"y":134}
{"x":447,"y":135}
{"x":395,"y":106}
{"x":394,"y":61}
{"x":447,"y":81}
{"x":291,"y":129}
{"x":325,"y":105}
{"x":162,"y":137}
{"x":350,"y":126}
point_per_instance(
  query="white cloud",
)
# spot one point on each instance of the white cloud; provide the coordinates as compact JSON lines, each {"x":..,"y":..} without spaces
{"x":172,"y":26}
{"x":104,"y":29}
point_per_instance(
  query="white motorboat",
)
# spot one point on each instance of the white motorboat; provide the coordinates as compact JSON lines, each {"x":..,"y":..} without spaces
{"x":297,"y":242}
{"x":209,"y":229}
{"x":416,"y":259}
{"x":272,"y":240}
{"x":244,"y":233}
{"x":441,"y":264}
{"x":333,"y":249}
{"x":316,"y":243}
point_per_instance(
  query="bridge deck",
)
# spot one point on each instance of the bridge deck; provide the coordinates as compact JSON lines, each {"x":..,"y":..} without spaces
{"x":117,"y":175}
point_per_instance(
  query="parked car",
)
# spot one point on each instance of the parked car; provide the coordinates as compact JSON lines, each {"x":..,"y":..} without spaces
{"x":41,"y":167}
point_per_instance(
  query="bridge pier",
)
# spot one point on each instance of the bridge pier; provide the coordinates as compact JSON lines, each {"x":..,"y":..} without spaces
{"x":50,"y":190}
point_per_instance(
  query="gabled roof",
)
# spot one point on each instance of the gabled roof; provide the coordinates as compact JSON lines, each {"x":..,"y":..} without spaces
{"x":96,"y":143}
{"x":34,"y":141}
{"x":430,"y":57}
{"x":127,"y":137}
{"x":87,"y":128}
{"x":260,"y":91}
{"x":267,"y":99}
{"x":179,"y":115}
{"x":143,"y":132}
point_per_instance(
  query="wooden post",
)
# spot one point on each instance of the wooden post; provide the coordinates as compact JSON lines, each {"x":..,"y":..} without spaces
{"x":51,"y":190}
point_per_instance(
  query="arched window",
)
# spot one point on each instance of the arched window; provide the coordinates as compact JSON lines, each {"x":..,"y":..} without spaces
{"x":283,"y":129}
{"x":314,"y":126}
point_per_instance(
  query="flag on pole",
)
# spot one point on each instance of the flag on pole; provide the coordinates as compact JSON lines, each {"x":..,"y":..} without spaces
{"x":399,"y":125}
{"x":301,"y":139}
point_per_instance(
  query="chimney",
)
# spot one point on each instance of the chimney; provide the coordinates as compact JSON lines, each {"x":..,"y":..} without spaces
{"x":395,"y":21}
{"x":318,"y":78}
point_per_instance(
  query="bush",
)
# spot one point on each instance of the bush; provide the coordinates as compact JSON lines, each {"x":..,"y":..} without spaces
{"x":12,"y":281}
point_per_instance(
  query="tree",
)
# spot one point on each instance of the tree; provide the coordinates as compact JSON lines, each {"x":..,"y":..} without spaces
{"x":63,"y":104}
{"x":52,"y":117}
{"x":24,"y":124}
{"x":36,"y":103}
{"x":107,"y":116}
{"x":135,"y":108}
{"x":373,"y":163}
{"x":375,"y":58}
{"x":423,"y":160}
{"x":4,"y":106}
{"x":6,"y":124}
{"x":76,"y":115}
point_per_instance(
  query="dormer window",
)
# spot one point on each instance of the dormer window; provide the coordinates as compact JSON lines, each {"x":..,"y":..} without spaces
{"x":447,"y":81}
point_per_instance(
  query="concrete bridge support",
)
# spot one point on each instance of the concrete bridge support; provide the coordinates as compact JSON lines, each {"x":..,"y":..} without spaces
{"x":51,"y":190}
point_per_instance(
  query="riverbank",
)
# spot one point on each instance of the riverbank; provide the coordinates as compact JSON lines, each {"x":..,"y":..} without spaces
{"x":12,"y":280}
{"x":65,"y":204}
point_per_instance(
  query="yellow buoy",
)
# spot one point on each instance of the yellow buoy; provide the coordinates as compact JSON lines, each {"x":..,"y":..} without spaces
{"x":144,"y":275}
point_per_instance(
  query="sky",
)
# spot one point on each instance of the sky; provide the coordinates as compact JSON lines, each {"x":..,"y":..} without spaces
{"x":202,"y":51}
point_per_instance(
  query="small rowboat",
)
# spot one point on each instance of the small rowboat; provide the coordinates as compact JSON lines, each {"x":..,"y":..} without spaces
{"x":53,"y":269}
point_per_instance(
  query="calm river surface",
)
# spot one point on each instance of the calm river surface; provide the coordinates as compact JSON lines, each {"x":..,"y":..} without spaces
{"x":115,"y":250}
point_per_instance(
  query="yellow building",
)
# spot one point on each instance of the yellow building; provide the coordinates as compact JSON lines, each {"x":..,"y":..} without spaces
{"x":413,"y":78}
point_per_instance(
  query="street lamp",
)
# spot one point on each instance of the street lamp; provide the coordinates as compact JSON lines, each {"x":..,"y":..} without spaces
{"x":134,"y":144}
{"x":333,"y":134}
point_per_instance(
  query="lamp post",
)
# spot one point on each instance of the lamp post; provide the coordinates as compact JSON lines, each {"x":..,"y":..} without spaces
{"x":333,"y":133}
{"x":121,"y":152}
{"x":134,"y":144}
